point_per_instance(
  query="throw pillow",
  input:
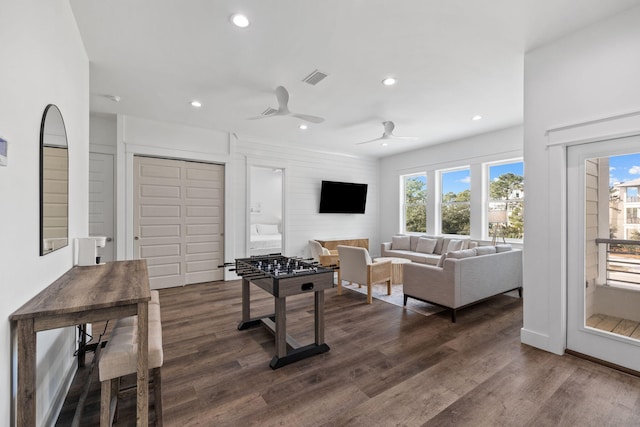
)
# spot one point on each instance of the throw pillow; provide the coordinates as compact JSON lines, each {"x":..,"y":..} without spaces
{"x":463,"y":253}
{"x":400,"y":243}
{"x":441,"y":260}
{"x":503,"y":248}
{"x":454,"y":245}
{"x":485,"y":250}
{"x":426,"y":245}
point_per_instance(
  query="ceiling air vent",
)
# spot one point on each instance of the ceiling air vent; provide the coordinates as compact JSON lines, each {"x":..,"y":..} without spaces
{"x":269,"y":111}
{"x":315,"y":77}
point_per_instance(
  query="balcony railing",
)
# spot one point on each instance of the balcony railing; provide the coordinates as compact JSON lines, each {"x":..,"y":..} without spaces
{"x":633,"y":220}
{"x":623,"y":261}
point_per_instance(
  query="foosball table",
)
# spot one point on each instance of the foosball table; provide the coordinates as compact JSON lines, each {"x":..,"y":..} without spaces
{"x":283,"y":276}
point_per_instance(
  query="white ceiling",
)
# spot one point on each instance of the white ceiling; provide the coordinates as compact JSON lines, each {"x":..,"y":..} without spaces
{"x":453,"y":59}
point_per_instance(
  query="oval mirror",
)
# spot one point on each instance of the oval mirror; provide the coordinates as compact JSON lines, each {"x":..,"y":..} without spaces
{"x":54,"y":182}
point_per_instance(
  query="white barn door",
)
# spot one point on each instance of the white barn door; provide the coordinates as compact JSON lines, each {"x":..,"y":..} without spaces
{"x":178,"y":220}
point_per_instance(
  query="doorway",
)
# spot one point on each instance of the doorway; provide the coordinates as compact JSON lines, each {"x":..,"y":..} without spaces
{"x":266,"y":205}
{"x":102,"y":202}
{"x":178,"y":220}
{"x":603,"y":259}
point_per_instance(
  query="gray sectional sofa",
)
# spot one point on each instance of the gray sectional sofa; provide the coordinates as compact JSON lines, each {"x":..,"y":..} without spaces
{"x":465,"y":277}
{"x":454,"y":272}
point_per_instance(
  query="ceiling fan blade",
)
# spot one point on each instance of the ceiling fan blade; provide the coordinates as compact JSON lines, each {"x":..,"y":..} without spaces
{"x":308,"y":118}
{"x":283,"y":98}
{"x":263,"y":116}
{"x":406,"y":138}
{"x":372,"y":140}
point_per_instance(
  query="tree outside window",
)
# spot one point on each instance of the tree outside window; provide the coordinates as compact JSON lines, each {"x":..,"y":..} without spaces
{"x":506,"y":200}
{"x":415,"y":203}
{"x":455,"y":210}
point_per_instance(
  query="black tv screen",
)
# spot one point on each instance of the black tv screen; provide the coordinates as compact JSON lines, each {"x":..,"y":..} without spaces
{"x":343,"y":197}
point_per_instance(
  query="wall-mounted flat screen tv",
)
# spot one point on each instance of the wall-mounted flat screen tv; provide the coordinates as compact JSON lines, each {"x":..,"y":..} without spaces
{"x":343,"y":197}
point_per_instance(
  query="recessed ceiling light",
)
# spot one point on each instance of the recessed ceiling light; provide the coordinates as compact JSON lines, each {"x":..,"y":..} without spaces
{"x":303,"y":127}
{"x":196,"y":104}
{"x":389,"y":81}
{"x":384,"y":144}
{"x":476,"y":117}
{"x":240,"y":20}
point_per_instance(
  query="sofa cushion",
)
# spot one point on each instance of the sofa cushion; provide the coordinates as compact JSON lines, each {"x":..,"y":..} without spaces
{"x":505,"y":247}
{"x":426,"y":245}
{"x":441,"y":260}
{"x":462,"y":253}
{"x":454,"y":245}
{"x":418,"y":257}
{"x":485,"y":250}
{"x":400,"y":243}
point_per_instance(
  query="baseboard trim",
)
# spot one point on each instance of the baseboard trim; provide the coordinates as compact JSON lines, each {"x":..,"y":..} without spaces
{"x":56,"y":405}
{"x":602,"y":362}
{"x":535,"y":339}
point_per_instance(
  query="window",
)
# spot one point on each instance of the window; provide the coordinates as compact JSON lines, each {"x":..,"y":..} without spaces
{"x":633,"y":215}
{"x":505,"y":207}
{"x":414,"y":206}
{"x":455,"y":208}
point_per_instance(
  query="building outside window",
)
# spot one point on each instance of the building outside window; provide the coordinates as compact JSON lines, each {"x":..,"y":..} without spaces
{"x":505,"y":207}
{"x":414,"y":206}
{"x":455,"y":207}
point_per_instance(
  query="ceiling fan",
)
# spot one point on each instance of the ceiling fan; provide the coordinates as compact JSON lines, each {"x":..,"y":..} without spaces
{"x":388,"y":134}
{"x":283,"y":109}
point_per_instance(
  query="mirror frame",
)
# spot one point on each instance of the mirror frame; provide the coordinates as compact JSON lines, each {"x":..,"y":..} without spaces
{"x":43,"y":123}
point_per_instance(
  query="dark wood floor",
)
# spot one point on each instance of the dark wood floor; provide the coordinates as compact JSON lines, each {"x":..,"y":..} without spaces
{"x":387,"y":366}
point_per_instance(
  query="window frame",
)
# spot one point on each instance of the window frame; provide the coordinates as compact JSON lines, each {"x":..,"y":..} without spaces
{"x":403,"y":201}
{"x":486,"y":232}
{"x":440,"y":195}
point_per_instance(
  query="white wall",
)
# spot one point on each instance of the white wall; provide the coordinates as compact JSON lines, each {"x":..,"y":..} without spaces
{"x":583,"y":81}
{"x":473,"y":152}
{"x":43,"y":62}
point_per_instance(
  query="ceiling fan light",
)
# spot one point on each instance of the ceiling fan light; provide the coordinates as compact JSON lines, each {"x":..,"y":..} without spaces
{"x":240,"y":20}
{"x":389,"y":81}
{"x":384,"y":144}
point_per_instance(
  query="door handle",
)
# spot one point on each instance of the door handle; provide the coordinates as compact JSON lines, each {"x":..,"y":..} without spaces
{"x":135,"y":238}
{"x":109,"y":239}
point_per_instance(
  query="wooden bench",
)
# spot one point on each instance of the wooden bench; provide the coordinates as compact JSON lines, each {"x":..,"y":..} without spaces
{"x":118,"y":358}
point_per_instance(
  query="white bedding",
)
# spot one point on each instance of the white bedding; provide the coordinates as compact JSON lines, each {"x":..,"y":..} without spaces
{"x":266,"y":241}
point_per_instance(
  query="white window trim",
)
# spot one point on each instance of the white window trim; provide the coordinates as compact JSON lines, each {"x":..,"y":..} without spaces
{"x":485,"y":205}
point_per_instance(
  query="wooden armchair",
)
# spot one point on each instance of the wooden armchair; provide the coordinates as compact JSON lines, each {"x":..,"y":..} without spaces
{"x":356,"y":266}
{"x":324,"y":256}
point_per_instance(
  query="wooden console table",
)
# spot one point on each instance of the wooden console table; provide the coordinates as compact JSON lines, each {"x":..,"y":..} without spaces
{"x":332,"y":245}
{"x":83,"y":295}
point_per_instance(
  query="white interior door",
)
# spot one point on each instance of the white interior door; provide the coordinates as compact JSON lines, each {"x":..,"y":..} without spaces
{"x":178,"y":220}
{"x":102,"y":202}
{"x":587,"y":205}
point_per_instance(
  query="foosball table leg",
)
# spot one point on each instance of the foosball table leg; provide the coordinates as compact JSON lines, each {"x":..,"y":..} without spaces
{"x":281,"y":327}
{"x":319,"y":316}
